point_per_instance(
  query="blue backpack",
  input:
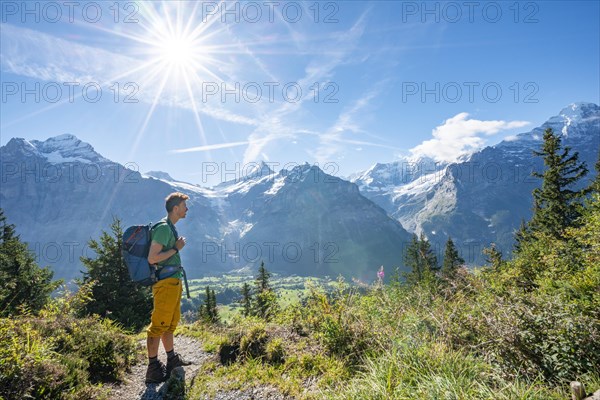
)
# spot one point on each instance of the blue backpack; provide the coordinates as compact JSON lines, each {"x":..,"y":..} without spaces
{"x":136,"y":246}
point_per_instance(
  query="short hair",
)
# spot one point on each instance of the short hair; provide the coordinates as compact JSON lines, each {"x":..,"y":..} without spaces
{"x":174,"y":199}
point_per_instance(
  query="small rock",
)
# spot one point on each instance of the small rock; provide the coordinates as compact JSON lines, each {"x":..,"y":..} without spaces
{"x":595,"y":396}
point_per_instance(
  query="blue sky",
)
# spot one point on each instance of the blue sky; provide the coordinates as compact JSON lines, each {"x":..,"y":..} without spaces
{"x":339,"y":84}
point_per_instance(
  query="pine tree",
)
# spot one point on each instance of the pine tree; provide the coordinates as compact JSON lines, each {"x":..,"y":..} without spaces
{"x":214,"y":313}
{"x":395,"y":278}
{"x":262,"y":281}
{"x":413,"y":261}
{"x":208,"y":310}
{"x":420,"y":258}
{"x":25,"y":286}
{"x":265,"y":302}
{"x":557,"y":207}
{"x":114,"y":295}
{"x":494,"y":257}
{"x":246,"y":300}
{"x":426,"y":252}
{"x":452,"y":260}
{"x":521,"y":236}
{"x":205,"y":306}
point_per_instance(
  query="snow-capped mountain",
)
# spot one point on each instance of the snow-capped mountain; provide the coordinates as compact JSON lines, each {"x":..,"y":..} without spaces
{"x":322,"y":223}
{"x":484,"y":198}
{"x":390,"y":184}
{"x":60,"y":193}
{"x":160,"y":175}
{"x":56,"y":150}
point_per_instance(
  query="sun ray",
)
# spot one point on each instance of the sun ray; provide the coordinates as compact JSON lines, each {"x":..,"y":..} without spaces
{"x":196,"y":116}
{"x":140,"y":131}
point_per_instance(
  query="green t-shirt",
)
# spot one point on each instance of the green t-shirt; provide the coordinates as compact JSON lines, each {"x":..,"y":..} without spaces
{"x":163,"y":234}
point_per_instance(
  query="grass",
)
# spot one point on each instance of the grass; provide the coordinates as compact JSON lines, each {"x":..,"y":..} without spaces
{"x":341,"y":343}
{"x":58,"y":355}
{"x":287,"y":361}
{"x":390,"y":343}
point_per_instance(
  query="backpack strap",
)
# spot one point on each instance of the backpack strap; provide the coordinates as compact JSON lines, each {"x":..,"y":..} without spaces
{"x":173,"y":230}
{"x":169,"y":269}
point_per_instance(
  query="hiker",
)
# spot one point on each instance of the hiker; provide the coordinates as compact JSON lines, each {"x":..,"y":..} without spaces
{"x":164,"y":251}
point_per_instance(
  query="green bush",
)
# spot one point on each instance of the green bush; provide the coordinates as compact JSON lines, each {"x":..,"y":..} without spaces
{"x":529,"y":335}
{"x":253,"y":342}
{"x":58,"y":356}
{"x":338,"y":322}
{"x":275,"y":351}
{"x":28,"y":366}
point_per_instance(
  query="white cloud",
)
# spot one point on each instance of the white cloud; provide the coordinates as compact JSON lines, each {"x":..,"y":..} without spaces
{"x":210,"y":147}
{"x":459,"y":136}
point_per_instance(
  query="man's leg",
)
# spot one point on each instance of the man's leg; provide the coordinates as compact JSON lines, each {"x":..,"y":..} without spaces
{"x":173,"y":359}
{"x":152,"y":344}
{"x":167,"y":337}
{"x":157,"y":371}
{"x":167,"y":341}
{"x":165,"y":300}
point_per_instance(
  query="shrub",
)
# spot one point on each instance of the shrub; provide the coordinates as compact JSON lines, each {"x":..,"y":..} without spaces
{"x":253,"y":342}
{"x":59,"y":356}
{"x":275,"y":352}
{"x":28,"y":366}
{"x":337,"y":321}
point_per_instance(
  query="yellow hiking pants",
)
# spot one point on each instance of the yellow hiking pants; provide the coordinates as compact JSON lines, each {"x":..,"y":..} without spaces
{"x":167,"y":306}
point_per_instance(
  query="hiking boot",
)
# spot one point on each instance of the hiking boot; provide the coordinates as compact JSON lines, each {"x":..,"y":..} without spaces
{"x":156,"y":373}
{"x":176,"y":361}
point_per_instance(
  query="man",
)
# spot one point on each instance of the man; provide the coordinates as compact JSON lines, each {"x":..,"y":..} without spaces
{"x":164,"y":251}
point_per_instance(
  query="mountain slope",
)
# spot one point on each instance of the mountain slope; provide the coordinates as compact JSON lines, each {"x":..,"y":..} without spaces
{"x":60,"y":193}
{"x":322,"y":224}
{"x":483,"y":198}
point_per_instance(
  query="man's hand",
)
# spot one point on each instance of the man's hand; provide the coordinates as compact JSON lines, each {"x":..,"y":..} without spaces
{"x":180,"y":243}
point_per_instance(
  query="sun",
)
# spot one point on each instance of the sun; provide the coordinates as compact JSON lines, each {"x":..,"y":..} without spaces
{"x":175,"y":50}
{"x":178,"y":51}
{"x":177,"y":44}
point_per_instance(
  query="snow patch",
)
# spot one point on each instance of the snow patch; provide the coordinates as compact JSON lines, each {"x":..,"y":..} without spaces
{"x":277,"y":185}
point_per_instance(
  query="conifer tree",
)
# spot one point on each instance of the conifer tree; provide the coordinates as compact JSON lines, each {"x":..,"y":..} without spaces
{"x":413,"y":261}
{"x":205,"y":306}
{"x":246,"y":300}
{"x":214,"y":314}
{"x":265,"y":302}
{"x":114,"y":295}
{"x":262,"y":280}
{"x":426,"y":252}
{"x":395,"y":278}
{"x":494,"y":257}
{"x":452,"y":260}
{"x":556,"y":205}
{"x":420,"y":258}
{"x":25,"y":286}
{"x":521,"y":236}
{"x":208,"y":310}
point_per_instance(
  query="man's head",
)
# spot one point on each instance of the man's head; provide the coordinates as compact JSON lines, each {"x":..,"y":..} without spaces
{"x":175,"y":204}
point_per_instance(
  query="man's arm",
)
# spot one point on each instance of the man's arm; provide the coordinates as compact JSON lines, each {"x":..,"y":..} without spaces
{"x":156,"y":255}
